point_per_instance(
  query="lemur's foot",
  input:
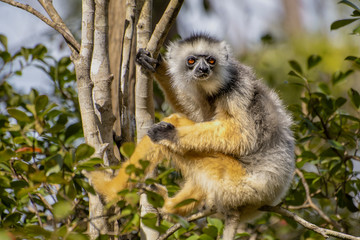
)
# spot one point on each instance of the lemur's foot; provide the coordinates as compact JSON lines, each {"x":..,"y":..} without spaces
{"x":162,"y":131}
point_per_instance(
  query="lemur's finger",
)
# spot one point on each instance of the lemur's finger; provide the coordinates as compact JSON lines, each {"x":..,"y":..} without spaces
{"x":147,"y":66}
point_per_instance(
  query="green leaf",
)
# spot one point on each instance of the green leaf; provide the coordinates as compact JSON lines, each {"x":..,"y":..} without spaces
{"x":351,"y":58}
{"x":5,"y":56}
{"x":296,"y":66}
{"x":183,"y":222}
{"x":240,"y":235}
{"x":341,"y":23}
{"x":76,"y":236}
{"x":308,"y":155}
{"x":339,"y":76}
{"x":36,"y":231}
{"x":39,"y":51}
{"x":216,"y":222}
{"x":89,"y":164}
{"x":350,"y":4}
{"x":205,"y":237}
{"x":25,"y":53}
{"x":150,"y":220}
{"x":336,"y":144}
{"x":350,"y":204}
{"x":18,"y":115}
{"x":3,"y":41}
{"x":313,"y":60}
{"x":355,"y":97}
{"x":185,"y":202}
{"x":193,"y":237}
{"x":324,"y":88}
{"x":127,"y":149}
{"x":155,"y":199}
{"x":356,"y":30}
{"x":62,"y":209}
{"x":133,"y":222}
{"x":340,"y":101}
{"x":132,"y":198}
{"x":211,"y":231}
{"x":11,"y":219}
{"x":83,"y":151}
{"x":41,"y":102}
{"x":6,"y":155}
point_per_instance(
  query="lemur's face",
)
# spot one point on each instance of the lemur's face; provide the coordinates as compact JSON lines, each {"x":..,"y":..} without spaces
{"x":200,"y":66}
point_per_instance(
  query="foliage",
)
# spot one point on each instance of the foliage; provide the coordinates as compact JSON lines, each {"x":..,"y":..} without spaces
{"x":327,"y":150}
{"x":355,"y":17}
{"x":43,"y":194}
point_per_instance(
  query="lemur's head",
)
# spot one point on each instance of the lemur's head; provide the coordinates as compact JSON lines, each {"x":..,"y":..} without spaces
{"x":199,"y":59}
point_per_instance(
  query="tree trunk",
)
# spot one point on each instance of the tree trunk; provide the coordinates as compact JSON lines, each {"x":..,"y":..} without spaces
{"x":292,"y":19}
{"x":144,"y":105}
{"x":116,"y":32}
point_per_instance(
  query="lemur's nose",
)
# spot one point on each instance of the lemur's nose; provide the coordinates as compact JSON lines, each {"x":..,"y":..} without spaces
{"x":204,"y":69}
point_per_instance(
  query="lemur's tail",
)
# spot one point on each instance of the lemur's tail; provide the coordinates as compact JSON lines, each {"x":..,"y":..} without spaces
{"x":109,"y":187}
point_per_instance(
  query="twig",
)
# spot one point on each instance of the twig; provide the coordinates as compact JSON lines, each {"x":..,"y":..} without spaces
{"x":68,"y":38}
{"x":177,"y":226}
{"x":311,"y":204}
{"x":322,"y":231}
{"x":54,"y":15}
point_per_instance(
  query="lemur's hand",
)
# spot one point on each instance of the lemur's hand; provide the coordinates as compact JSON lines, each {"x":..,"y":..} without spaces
{"x":144,"y":59}
{"x":162,"y":131}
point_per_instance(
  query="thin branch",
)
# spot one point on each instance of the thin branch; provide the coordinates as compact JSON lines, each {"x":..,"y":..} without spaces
{"x":68,"y":38}
{"x":311,"y":204}
{"x":54,"y":15}
{"x":322,"y":231}
{"x":163,"y":27}
{"x":177,"y":226}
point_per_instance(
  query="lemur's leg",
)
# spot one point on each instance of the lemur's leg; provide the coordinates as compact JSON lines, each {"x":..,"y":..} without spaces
{"x":231,"y":225}
{"x":145,"y":150}
{"x":222,"y":136}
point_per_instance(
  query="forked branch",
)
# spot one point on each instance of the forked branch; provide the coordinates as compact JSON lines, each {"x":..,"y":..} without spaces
{"x":163,"y":27}
{"x":68,"y":38}
{"x":322,"y":231}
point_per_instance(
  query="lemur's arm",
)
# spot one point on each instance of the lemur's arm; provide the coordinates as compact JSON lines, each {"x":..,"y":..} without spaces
{"x":159,"y":67}
{"x":222,"y":136}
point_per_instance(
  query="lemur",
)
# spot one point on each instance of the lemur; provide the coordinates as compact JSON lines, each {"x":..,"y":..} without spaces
{"x":230,"y":136}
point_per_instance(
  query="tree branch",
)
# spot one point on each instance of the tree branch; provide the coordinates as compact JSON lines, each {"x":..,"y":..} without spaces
{"x":322,"y":231}
{"x":54,"y":15}
{"x":68,"y":38}
{"x":177,"y":226}
{"x":311,"y":204}
{"x":163,"y":27}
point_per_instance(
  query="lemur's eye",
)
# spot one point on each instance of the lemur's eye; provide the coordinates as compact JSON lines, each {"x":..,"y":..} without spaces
{"x":191,"y":60}
{"x":211,"y":60}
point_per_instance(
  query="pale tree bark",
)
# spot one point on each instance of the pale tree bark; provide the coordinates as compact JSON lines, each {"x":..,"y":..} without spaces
{"x":144,"y":84}
{"x":102,"y":78}
{"x":88,"y":116}
{"x":116,"y":30}
{"x":144,"y":110}
{"x":126,"y":90}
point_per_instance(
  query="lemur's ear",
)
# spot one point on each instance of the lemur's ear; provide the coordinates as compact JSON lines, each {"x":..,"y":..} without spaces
{"x":226,"y":48}
{"x":169,"y":52}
